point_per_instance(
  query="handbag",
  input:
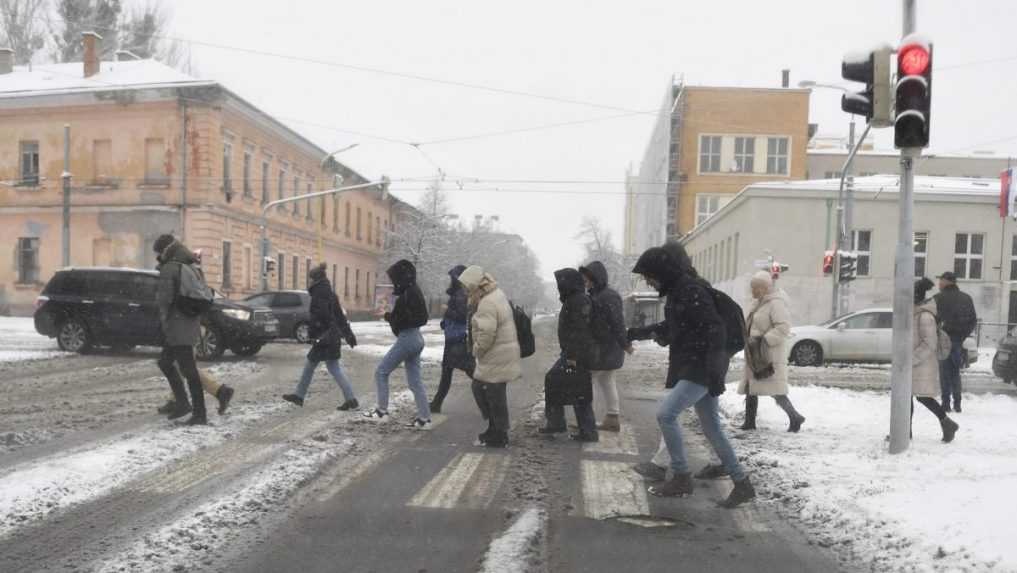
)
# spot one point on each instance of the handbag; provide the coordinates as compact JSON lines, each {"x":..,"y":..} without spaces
{"x":568,"y":386}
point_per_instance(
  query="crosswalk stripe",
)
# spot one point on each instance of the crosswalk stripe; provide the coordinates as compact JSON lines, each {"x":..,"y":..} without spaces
{"x":612,"y":489}
{"x":623,"y":442}
{"x":470,"y":480}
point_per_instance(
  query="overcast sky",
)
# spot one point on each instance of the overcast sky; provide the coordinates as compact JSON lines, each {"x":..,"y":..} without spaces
{"x":617,"y":55}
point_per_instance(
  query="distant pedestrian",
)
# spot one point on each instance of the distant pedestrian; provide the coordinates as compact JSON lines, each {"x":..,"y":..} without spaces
{"x":495,"y":344}
{"x":327,"y":329}
{"x":455,"y":325}
{"x":958,"y":318}
{"x":578,"y":355}
{"x":768,"y":327}
{"x":696,"y":334}
{"x":925,"y":369}
{"x":609,"y":333}
{"x":408,"y":314}
{"x":180,"y":331}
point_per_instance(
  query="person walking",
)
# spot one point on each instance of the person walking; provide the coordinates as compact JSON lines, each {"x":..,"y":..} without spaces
{"x":180,"y":331}
{"x":925,"y":369}
{"x":328,"y":327}
{"x":578,"y":353}
{"x":609,"y":334}
{"x":408,"y":314}
{"x":768,"y":326}
{"x":958,"y":318}
{"x":455,"y":324}
{"x":495,"y":345}
{"x":696,"y":335}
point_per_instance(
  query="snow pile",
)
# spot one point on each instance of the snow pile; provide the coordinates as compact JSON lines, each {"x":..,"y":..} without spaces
{"x":516,"y":549}
{"x":936,"y":507}
{"x":19,"y":341}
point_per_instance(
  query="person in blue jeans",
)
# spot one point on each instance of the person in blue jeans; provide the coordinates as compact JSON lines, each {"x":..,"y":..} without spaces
{"x":958,"y":318}
{"x":695,"y":332}
{"x":408,"y":314}
{"x":328,"y":325}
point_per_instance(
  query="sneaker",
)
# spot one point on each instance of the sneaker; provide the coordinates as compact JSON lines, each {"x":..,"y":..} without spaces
{"x":712,"y":471}
{"x":418,"y":424}
{"x":742,"y":492}
{"x":294,"y":399}
{"x":679,"y":486}
{"x":349,"y":405}
{"x":650,"y":471}
{"x":167,"y":408}
{"x":585,"y":437}
{"x":180,"y":412}
{"x":376,"y":415}
{"x":225,"y":395}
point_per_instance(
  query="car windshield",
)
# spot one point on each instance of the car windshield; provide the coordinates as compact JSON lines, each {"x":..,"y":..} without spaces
{"x":833,"y":321}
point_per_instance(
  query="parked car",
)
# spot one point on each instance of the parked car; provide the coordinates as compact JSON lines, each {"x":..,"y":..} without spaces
{"x":87,"y":307}
{"x":862,"y":336}
{"x":291,"y":307}
{"x":1004,"y":363}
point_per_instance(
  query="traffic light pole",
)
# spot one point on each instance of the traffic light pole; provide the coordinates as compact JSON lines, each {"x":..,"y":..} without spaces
{"x":844,"y":215}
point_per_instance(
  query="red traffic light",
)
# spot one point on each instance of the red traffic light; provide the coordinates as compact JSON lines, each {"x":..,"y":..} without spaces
{"x":913,"y":59}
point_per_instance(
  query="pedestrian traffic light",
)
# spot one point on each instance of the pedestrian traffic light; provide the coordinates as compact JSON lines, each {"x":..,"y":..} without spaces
{"x":913,"y":94}
{"x":828,"y":263}
{"x":872,"y":69}
{"x":268,"y":265}
{"x":777,"y":268}
{"x":848,"y":266}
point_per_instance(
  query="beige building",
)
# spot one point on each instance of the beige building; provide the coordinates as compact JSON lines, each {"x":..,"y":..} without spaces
{"x":155,"y":151}
{"x":828,"y":164}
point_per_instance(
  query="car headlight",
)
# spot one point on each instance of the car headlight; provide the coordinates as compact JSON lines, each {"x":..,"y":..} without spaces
{"x":237,"y":313}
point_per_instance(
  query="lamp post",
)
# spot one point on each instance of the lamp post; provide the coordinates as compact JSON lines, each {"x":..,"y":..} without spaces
{"x":321,"y":208}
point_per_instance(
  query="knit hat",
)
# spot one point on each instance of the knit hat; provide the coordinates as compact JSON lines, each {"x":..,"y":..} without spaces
{"x":319,"y":272}
{"x":162,"y":242}
{"x":922,"y":287}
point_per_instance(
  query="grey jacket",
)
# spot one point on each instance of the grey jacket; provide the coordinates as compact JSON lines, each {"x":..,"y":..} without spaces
{"x":177,"y":329}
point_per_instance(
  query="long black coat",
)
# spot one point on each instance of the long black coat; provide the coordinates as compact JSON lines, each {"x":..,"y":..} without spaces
{"x":410,"y":309}
{"x":457,"y":316}
{"x":608,"y":319}
{"x":328,"y":324}
{"x":574,"y":333}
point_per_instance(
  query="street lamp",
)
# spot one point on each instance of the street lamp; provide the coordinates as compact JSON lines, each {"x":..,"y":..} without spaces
{"x":338,"y":183}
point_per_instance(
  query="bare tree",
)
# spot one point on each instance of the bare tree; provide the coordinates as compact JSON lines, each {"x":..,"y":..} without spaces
{"x":143,"y":33}
{"x":599,"y":246}
{"x":20,"y":29}
{"x":77,"y":16}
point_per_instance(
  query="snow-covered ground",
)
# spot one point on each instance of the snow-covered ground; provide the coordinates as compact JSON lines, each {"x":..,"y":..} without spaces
{"x":936,"y":507}
{"x":375,"y":338}
{"x":19,"y":341}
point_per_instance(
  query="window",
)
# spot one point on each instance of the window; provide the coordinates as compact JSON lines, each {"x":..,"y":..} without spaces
{"x":227,"y":265}
{"x":707,"y":205}
{"x":861,"y":244}
{"x":347,"y":207}
{"x":335,"y":218}
{"x":370,"y":226}
{"x":307,"y":272}
{"x":281,"y":271}
{"x":248,"y":268}
{"x":102,"y":161}
{"x":776,"y":155}
{"x":310,"y":189}
{"x":360,"y":237}
{"x":346,"y":282}
{"x":377,"y":231}
{"x":227,"y":174}
{"x":1013,"y":258}
{"x":260,"y":300}
{"x":367,"y":286}
{"x":296,"y":191}
{"x":282,"y":182}
{"x":248,"y":188}
{"x":709,"y":154}
{"x":745,"y":154}
{"x":28,"y":260}
{"x":832,"y":175}
{"x":921,"y":252}
{"x":289,"y":299}
{"x":967,"y":258}
{"x":155,"y":161}
{"x":356,"y":286}
{"x":29,"y":162}
{"x":264,"y":182}
{"x":864,"y":321}
{"x":296,"y":270}
{"x":335,"y":286}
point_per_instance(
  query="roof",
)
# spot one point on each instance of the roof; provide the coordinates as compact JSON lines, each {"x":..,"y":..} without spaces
{"x":110,"y":269}
{"x":68,"y":78}
{"x":924,"y":184}
{"x":896,"y":153}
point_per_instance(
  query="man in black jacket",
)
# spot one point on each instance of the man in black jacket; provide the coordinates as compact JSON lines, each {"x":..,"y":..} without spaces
{"x":455,"y":325}
{"x":695,"y":333}
{"x":608,"y":327}
{"x":958,"y":318}
{"x":407,"y":316}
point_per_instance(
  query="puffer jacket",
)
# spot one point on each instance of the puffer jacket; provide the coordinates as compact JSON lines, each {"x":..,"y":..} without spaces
{"x":177,"y":328}
{"x":770,"y":320}
{"x":575,"y":335}
{"x":410,"y":309}
{"x":924,"y":360}
{"x":956,"y":312}
{"x":608,"y":319}
{"x":493,"y":335}
{"x":328,"y":324}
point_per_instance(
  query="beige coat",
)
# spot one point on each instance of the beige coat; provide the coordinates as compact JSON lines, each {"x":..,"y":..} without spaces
{"x":925,"y":362}
{"x":493,"y":329}
{"x":772,"y":321}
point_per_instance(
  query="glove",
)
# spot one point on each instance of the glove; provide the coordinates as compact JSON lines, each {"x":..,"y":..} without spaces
{"x":352,"y":340}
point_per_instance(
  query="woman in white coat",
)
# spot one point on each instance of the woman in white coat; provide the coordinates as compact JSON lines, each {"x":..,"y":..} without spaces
{"x":925,"y":360}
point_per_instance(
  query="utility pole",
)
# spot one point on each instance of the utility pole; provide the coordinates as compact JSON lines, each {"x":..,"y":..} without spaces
{"x":66,"y":176}
{"x":849,"y":214}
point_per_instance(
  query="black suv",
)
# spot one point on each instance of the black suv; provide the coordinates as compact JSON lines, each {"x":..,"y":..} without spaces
{"x":87,"y":307}
{"x":291,"y":307}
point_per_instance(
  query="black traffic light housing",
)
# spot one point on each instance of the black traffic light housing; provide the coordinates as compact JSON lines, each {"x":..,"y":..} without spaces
{"x":872,"y":69}
{"x":913,"y":94}
{"x":848,"y":267}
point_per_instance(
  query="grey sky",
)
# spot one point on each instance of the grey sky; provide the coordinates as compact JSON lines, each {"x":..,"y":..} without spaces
{"x":617,"y":54}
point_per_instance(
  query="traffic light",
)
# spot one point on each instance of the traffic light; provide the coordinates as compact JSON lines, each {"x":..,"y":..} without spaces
{"x":872,"y":69}
{"x":913,"y":94}
{"x":848,"y":266}
{"x":828,"y":263}
{"x":776,"y":269}
{"x":268,"y":266}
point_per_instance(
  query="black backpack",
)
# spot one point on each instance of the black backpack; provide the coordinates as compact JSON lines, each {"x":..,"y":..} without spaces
{"x":734,"y":321}
{"x":524,"y":331}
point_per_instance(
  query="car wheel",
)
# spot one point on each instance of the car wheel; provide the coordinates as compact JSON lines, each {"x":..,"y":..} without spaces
{"x":302,"y":332}
{"x":73,"y":336}
{"x":211,"y":344}
{"x":246,"y":349}
{"x":807,"y":353}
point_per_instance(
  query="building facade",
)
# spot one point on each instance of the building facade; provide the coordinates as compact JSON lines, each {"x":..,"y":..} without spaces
{"x":828,"y":164}
{"x":154,"y":151}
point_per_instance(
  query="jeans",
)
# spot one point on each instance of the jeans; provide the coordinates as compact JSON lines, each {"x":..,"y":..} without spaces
{"x":681,"y":397}
{"x":949,"y":373}
{"x":406,"y":350}
{"x":493,"y":403}
{"x":608,"y":390}
{"x":334,"y":368}
{"x":182,"y":357}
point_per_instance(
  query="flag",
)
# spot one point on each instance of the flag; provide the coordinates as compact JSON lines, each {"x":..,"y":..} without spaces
{"x":1007,"y":194}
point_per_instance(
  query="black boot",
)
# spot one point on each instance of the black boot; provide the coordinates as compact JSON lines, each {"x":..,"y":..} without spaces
{"x":795,"y":420}
{"x":349,"y":405}
{"x":180,"y":411}
{"x":168,"y":407}
{"x":751,"y":406}
{"x":742,"y":492}
{"x":678,"y":486}
{"x":197,"y":420}
{"x":548,"y":429}
{"x":224,"y":395}
{"x":949,"y":428}
{"x":585,"y":436}
{"x":293,"y":399}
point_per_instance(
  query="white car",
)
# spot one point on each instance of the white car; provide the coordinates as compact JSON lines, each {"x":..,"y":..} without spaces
{"x":862,"y":336}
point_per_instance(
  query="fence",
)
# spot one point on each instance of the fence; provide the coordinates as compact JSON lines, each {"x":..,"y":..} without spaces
{"x":988,"y":334}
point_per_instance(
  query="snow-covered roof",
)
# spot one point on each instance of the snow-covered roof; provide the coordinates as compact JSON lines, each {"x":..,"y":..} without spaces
{"x":69,"y":78}
{"x":891,"y":183}
{"x":894,"y":153}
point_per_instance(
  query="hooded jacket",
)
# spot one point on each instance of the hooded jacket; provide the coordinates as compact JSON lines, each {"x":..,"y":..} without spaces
{"x":410,"y":309}
{"x":454,"y":323}
{"x":956,"y":312}
{"x":328,"y":324}
{"x":493,"y":336}
{"x":575,"y":335}
{"x":177,"y":328}
{"x":692,"y":327}
{"x":608,"y":319}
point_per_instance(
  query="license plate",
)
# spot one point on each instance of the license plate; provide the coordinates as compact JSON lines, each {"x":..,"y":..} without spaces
{"x":271,"y":328}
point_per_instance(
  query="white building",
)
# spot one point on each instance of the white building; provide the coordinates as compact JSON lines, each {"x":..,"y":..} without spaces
{"x":957,"y":228}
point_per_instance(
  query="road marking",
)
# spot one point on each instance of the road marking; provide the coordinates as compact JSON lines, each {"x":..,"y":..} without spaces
{"x":623,"y":442}
{"x":612,"y":489}
{"x":513,"y":551}
{"x":343,"y":480}
{"x":470,"y":480}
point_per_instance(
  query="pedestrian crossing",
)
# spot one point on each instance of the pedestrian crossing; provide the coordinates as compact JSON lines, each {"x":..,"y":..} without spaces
{"x":612,"y":489}
{"x":614,"y":443}
{"x":470,"y":480}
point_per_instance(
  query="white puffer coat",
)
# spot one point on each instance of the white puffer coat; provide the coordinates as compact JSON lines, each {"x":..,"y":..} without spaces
{"x":492,"y":329}
{"x":769,"y":318}
{"x":925,"y":362}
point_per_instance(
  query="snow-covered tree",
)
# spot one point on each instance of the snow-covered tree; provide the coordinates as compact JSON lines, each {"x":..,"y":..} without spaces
{"x":598,"y":245}
{"x":20,"y":29}
{"x":77,"y":16}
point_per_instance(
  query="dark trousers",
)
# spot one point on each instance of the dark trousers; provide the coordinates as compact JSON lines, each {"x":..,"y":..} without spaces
{"x":585,"y":418}
{"x":183,"y":358}
{"x":493,"y":403}
{"x":446,"y":382}
{"x":949,"y":373}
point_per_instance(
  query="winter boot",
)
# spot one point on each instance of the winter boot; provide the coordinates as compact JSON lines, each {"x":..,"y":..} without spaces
{"x":168,"y":407}
{"x":197,"y":420}
{"x":224,"y":395}
{"x":611,"y":423}
{"x":495,"y":439}
{"x":435,"y":407}
{"x":751,"y":407}
{"x":742,"y":492}
{"x":949,"y":428}
{"x":582,"y":436}
{"x":294,"y":399}
{"x":552,"y":430}
{"x":712,"y":471}
{"x":679,"y":486}
{"x":349,"y":405}
{"x":650,"y":471}
{"x":795,"y":420}
{"x":796,"y":423}
{"x":180,"y":412}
